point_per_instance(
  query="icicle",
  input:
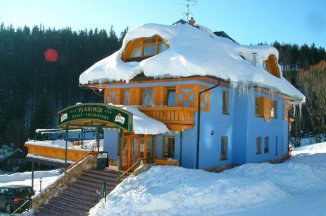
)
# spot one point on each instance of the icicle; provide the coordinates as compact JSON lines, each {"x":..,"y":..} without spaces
{"x":294,"y":109}
{"x":300,"y":108}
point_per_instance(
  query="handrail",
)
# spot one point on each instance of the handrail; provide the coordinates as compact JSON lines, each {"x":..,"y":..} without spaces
{"x":17,"y":209}
{"x":104,"y":190}
{"x":130,"y":168}
{"x":82,"y":158}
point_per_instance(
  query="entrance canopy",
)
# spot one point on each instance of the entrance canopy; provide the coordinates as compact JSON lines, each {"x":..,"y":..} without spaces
{"x":83,"y":115}
{"x":143,"y":124}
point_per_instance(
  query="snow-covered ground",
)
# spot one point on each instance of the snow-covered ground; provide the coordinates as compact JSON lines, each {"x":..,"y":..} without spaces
{"x":295,"y":187}
{"x":25,"y":178}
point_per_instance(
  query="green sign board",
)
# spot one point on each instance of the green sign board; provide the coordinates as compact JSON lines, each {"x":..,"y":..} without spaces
{"x":95,"y":113}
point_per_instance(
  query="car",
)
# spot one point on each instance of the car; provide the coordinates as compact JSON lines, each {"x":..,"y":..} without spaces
{"x":14,"y":196}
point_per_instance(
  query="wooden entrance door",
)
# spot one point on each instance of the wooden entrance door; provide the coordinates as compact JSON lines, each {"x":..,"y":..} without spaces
{"x":134,"y":147}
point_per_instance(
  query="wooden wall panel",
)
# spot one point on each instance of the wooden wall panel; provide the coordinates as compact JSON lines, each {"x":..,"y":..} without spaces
{"x":160,"y":95}
{"x":135,"y":96}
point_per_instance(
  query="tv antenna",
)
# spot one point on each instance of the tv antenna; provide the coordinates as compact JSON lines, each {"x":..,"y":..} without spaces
{"x":189,"y":3}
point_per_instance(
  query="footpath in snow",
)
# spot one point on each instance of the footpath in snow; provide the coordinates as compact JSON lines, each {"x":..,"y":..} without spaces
{"x":295,"y":187}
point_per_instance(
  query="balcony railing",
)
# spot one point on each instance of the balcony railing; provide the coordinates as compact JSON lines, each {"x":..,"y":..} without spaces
{"x":55,"y":153}
{"x":175,"y":118}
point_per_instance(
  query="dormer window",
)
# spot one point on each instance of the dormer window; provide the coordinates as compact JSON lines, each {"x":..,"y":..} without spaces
{"x":271,"y":66}
{"x":142,"y":48}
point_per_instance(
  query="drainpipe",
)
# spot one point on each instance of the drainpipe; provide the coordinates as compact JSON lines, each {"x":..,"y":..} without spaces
{"x":198,"y":120}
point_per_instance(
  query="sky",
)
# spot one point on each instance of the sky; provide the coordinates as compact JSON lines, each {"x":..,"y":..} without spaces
{"x":246,"y":21}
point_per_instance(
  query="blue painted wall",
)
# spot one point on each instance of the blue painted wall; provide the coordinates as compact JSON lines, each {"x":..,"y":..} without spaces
{"x":241,"y":126}
{"x":257,"y":127}
{"x":111,"y":140}
{"x":214,"y":125}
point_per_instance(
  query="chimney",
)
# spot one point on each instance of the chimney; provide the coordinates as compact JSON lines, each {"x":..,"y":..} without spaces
{"x":254,"y":59}
{"x":192,"y":21}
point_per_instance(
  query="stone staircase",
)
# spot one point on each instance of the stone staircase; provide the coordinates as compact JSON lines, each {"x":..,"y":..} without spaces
{"x":81,"y":195}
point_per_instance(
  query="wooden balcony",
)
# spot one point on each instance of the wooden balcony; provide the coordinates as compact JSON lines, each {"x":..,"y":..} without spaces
{"x":167,"y":162}
{"x":55,"y":153}
{"x":176,"y":118}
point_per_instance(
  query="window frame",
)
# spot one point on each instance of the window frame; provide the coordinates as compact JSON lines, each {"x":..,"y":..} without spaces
{"x":224,"y":148}
{"x":167,"y":97}
{"x":142,"y":96}
{"x":266,"y":144}
{"x":259,"y":106}
{"x":225,"y":103}
{"x":258,"y":145}
{"x":170,"y":150}
{"x":124,"y":98}
{"x":155,"y":41}
{"x":274,"y":107}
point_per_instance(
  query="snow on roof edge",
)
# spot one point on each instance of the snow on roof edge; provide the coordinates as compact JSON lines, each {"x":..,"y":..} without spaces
{"x":185,"y":58}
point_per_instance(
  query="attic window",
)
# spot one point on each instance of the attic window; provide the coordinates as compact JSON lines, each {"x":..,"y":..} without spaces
{"x":142,"y":48}
{"x":271,"y":66}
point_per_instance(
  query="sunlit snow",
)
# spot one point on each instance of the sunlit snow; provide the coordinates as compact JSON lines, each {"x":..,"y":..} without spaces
{"x":295,"y":187}
{"x":192,"y":52}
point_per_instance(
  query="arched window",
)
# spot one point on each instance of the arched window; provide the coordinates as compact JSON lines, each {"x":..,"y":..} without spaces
{"x":271,"y":66}
{"x":142,"y":48}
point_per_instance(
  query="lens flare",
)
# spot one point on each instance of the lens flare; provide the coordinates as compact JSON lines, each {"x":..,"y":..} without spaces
{"x":51,"y":55}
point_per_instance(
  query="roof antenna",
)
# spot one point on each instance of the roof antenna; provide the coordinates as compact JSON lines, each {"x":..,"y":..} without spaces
{"x":189,"y":3}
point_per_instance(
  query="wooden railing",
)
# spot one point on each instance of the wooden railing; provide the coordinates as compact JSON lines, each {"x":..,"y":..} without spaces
{"x":130,"y":169}
{"x":176,"y":118}
{"x":55,"y":153}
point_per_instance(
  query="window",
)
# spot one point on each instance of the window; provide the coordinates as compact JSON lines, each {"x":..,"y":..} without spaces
{"x":274,"y":109}
{"x":266,"y":144}
{"x":259,"y":106}
{"x":265,"y":107}
{"x":148,"y":97}
{"x":258,"y":145}
{"x":142,"y":48}
{"x":126,"y":97}
{"x":225,"y":103}
{"x":271,"y":66}
{"x":171,"y":97}
{"x":168,"y":146}
{"x":224,"y":147}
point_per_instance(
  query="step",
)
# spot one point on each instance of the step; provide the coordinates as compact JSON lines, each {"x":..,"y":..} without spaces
{"x":43,"y":211}
{"x":93,"y":178}
{"x":77,"y":196}
{"x":85,"y":186}
{"x":67,"y":204}
{"x":75,"y":201}
{"x":81,"y":192}
{"x":96,"y":185}
{"x":57,"y":208}
{"x":102,"y":173}
{"x":76,"y":192}
{"x":97,"y":191}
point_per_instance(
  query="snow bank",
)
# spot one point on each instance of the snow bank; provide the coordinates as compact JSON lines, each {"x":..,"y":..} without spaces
{"x":295,"y":187}
{"x":192,"y":52}
{"x":25,"y":178}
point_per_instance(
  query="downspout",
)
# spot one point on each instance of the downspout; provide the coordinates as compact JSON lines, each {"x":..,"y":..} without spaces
{"x":198,"y":120}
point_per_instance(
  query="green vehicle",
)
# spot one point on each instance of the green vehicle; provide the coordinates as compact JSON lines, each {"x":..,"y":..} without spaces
{"x":14,"y":196}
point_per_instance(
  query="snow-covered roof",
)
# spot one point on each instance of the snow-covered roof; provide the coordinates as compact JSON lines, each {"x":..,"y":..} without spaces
{"x":143,"y":124}
{"x":192,"y":52}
